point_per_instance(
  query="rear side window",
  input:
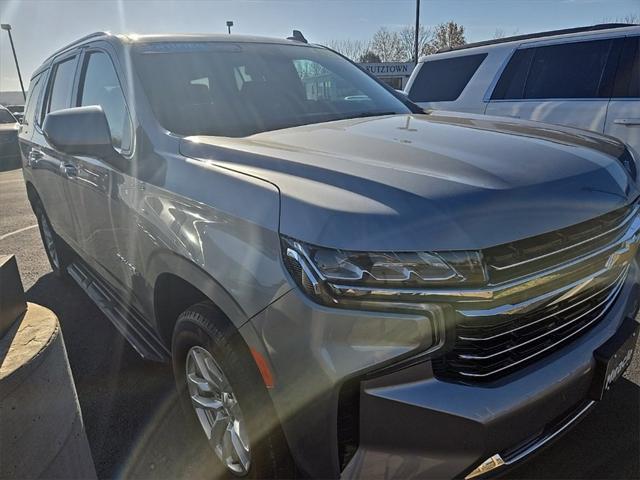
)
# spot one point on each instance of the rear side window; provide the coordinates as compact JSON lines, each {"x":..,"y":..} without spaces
{"x":61,"y":85}
{"x":628,"y":77}
{"x":513,"y":78}
{"x":32,"y":99}
{"x":444,"y":80}
{"x":568,"y":70}
{"x":100,"y":86}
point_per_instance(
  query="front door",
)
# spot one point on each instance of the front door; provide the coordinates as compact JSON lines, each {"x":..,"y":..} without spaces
{"x":101,"y":188}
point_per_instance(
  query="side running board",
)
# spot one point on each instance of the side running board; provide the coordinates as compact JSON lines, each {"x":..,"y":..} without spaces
{"x":128,"y":322}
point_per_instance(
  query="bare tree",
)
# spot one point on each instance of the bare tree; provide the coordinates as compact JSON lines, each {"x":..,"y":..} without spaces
{"x":501,"y":33}
{"x":369,"y":57}
{"x":387,"y":45}
{"x":447,"y":35}
{"x":352,"y":49}
{"x":628,"y":18}
{"x":407,"y":41}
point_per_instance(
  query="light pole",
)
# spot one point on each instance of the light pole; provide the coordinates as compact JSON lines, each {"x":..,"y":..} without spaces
{"x":7,"y":27}
{"x":417,"y":33}
{"x":229,"y":25}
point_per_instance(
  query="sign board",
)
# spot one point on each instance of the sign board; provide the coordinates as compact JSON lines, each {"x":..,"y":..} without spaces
{"x":389,"y":69}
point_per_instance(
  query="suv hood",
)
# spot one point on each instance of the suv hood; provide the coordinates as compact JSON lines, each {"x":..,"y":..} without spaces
{"x":442,"y":181}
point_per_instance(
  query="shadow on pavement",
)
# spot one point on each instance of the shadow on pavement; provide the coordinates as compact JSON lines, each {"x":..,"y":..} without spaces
{"x":133,"y":422}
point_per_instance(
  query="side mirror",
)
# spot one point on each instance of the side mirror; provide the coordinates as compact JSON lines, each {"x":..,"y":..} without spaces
{"x":81,"y":131}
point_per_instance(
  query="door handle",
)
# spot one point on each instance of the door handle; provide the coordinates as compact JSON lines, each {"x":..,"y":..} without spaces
{"x":69,"y":170}
{"x":33,"y":158}
{"x":627,"y":121}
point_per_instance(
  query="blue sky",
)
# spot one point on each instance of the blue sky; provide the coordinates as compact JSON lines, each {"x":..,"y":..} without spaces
{"x":41,"y":26}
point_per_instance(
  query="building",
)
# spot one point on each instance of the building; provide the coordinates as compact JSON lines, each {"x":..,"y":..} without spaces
{"x":11,"y":98}
{"x":394,"y":74}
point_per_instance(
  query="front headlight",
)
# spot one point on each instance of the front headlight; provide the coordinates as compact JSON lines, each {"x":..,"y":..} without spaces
{"x":377,"y":279}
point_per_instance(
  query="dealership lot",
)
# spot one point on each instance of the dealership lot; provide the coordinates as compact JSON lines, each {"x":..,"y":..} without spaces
{"x":130,"y":411}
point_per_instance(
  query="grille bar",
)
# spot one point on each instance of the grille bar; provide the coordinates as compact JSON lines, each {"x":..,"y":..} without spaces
{"x":476,"y":369}
{"x":608,"y":300}
{"x":539,"y":320}
{"x":618,"y":227}
{"x":533,"y":256}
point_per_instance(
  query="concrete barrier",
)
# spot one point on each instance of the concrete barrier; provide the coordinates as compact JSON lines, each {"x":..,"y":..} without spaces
{"x":41,"y":429}
{"x":12,"y":302}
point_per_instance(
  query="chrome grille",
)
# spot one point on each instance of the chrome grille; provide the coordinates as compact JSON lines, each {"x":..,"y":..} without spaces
{"x":485,"y":350}
{"x":557,"y":286}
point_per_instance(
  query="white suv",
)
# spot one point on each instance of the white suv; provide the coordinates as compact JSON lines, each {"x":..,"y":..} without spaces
{"x":585,"y":77}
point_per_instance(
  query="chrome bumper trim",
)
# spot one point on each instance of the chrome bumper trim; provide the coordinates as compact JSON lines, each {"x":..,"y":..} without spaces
{"x":498,"y":461}
{"x":542,"y":441}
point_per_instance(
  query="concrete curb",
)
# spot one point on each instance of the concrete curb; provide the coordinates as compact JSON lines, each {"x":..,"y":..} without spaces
{"x":41,"y":428}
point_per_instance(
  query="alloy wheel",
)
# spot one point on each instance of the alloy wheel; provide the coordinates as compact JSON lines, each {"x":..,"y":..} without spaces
{"x":218,"y":411}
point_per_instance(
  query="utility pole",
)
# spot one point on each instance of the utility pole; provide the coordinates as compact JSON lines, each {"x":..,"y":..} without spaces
{"x":7,"y":27}
{"x":229,"y":25}
{"x":417,"y":33}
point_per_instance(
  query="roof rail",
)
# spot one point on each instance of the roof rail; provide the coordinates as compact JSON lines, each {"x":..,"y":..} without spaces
{"x":76,"y":42}
{"x":550,"y":33}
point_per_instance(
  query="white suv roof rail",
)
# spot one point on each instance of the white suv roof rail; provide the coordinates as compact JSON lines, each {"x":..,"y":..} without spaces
{"x":550,"y":33}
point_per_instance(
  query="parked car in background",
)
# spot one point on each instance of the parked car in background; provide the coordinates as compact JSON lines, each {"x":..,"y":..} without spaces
{"x":9,"y":154}
{"x":587,"y":78}
{"x":345,"y":286}
{"x":17,"y":110}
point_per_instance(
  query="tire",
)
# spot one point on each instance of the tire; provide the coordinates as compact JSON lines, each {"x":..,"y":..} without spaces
{"x":203,"y":337}
{"x":56,"y":250}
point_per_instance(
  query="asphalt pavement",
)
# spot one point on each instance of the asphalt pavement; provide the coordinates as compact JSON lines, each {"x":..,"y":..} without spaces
{"x":135,"y":427}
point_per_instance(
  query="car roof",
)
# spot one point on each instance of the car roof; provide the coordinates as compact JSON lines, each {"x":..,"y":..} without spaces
{"x":133,"y":38}
{"x":600,"y":29}
{"x":202,"y":37}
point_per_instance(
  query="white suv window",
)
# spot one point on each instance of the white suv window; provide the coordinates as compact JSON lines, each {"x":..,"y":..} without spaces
{"x":444,"y":80}
{"x":628,"y":76}
{"x":567,"y":70}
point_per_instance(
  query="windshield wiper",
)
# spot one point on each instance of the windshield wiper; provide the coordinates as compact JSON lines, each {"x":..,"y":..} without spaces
{"x":370,"y":114}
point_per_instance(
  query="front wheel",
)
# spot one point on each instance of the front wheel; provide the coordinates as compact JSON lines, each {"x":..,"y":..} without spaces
{"x":224,"y":397}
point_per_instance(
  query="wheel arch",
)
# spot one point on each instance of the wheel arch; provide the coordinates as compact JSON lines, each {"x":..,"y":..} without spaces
{"x":177,"y":284}
{"x":32,"y":194}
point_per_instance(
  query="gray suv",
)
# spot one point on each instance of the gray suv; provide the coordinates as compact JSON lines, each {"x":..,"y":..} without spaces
{"x":346,"y":287}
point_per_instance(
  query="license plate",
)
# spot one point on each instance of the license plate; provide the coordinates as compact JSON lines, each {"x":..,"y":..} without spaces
{"x":613,"y":358}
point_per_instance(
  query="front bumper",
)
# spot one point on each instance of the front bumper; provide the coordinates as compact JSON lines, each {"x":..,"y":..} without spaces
{"x":408,"y":423}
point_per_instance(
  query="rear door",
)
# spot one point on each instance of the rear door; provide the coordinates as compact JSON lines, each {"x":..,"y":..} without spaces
{"x":51,"y":170}
{"x":623,"y":116}
{"x":561,"y":83}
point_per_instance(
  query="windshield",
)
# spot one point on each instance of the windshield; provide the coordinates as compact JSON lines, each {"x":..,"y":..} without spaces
{"x":229,"y":89}
{"x":6,"y":117}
